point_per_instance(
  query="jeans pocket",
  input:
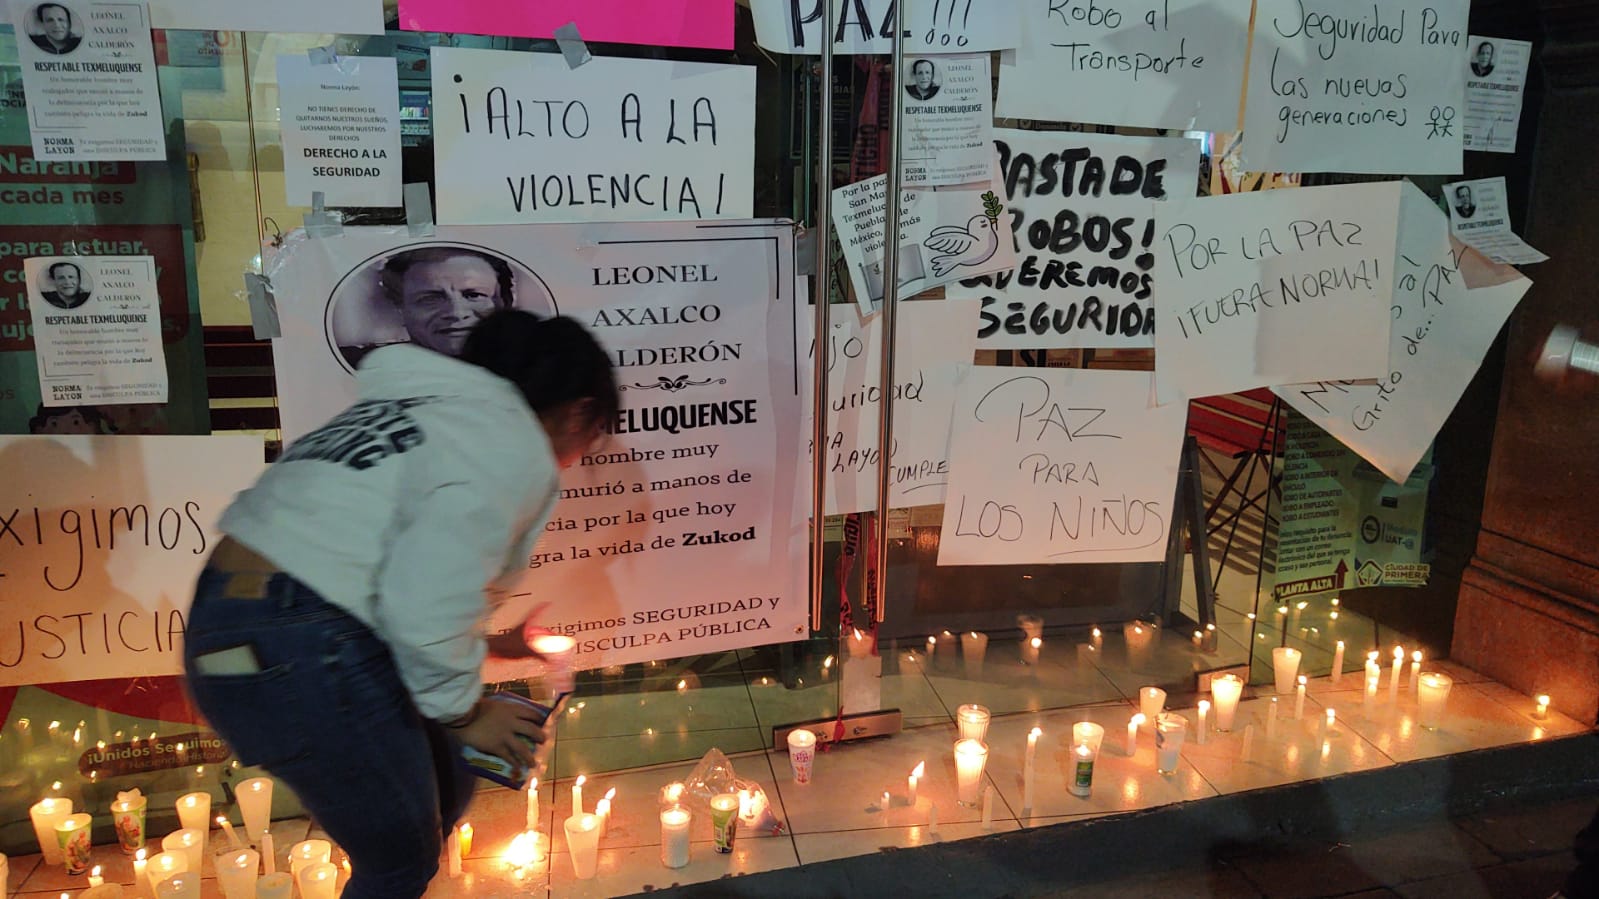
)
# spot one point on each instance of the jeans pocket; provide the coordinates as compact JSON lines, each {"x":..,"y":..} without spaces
{"x":259,"y":715}
{"x":365,"y":683}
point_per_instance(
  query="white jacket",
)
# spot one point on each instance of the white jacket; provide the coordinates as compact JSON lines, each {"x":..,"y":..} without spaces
{"x":404,"y":507}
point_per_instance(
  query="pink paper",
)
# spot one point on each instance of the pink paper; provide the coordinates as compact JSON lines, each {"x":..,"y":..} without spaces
{"x":666,"y":23}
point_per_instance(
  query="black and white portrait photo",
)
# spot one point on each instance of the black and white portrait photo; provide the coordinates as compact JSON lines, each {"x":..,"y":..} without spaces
{"x":55,"y":28}
{"x":1482,"y":61}
{"x":65,"y":285}
{"x":923,"y":81}
{"x":1465,"y":206}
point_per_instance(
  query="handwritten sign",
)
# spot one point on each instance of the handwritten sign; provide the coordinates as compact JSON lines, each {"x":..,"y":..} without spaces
{"x":521,"y":137}
{"x":1266,"y":288}
{"x":1441,"y":331}
{"x":1496,"y":76}
{"x":100,"y":577}
{"x":932,"y":337}
{"x":341,"y":130}
{"x":702,"y":468}
{"x":291,"y":16}
{"x":1080,"y":214}
{"x":1166,"y":64}
{"x":867,"y":26}
{"x":1339,"y":87}
{"x":1059,"y":465}
{"x":664,"y":23}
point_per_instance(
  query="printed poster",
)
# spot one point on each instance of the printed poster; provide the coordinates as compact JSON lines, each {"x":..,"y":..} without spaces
{"x":1479,"y":215}
{"x":96,"y":329}
{"x":703,"y":471}
{"x":1267,"y":288}
{"x":1059,"y":466}
{"x":1496,"y":78}
{"x":669,"y":23}
{"x":100,"y":588}
{"x":867,"y":26}
{"x":949,"y":121}
{"x":522,"y":137}
{"x":89,"y":72}
{"x":1372,"y":88}
{"x":1177,"y":64}
{"x":341,"y":130}
{"x":1080,"y":212}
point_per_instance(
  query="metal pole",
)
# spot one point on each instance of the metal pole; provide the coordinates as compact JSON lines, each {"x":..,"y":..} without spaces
{"x":885,"y":421}
{"x":823,"y":229}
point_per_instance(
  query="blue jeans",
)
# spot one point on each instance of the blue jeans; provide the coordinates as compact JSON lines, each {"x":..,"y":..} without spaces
{"x":319,"y":704}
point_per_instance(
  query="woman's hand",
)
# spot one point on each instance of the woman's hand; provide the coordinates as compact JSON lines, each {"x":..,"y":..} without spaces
{"x":513,"y":643}
{"x":497,"y":728}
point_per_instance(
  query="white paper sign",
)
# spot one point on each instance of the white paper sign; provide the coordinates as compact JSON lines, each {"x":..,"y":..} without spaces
{"x":89,"y":73}
{"x":522,"y":137}
{"x":97,"y":329}
{"x":1059,"y":465}
{"x":292,"y":16}
{"x":1080,"y":213}
{"x":703,"y":468}
{"x":100,"y":587}
{"x":949,"y":121}
{"x":1265,"y":288}
{"x":1480,"y":217}
{"x":945,"y":234}
{"x":867,"y":26}
{"x":1341,"y":87}
{"x":932,"y":337}
{"x":1174,"y":64}
{"x":1496,"y":75}
{"x":1441,"y":331}
{"x":341,"y":130}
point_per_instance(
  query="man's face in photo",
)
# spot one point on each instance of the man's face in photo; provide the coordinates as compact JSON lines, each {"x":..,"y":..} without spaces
{"x":66,"y":280}
{"x":1485,"y":55}
{"x":1463,"y":196}
{"x":441,"y":301}
{"x":924,"y":74}
{"x":57,"y":22}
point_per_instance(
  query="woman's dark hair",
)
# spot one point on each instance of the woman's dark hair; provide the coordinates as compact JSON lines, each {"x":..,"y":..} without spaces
{"x":553,"y":361}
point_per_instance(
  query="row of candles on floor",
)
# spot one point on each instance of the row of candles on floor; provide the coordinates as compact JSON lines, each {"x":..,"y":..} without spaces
{"x":1138,"y":635}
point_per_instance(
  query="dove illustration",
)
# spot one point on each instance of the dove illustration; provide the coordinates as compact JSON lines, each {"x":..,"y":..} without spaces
{"x":956,"y":246}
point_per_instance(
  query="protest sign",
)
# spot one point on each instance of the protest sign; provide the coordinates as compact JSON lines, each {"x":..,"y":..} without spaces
{"x":932,"y":338}
{"x":522,"y":137}
{"x":1266,"y":288}
{"x":1479,"y":215}
{"x":701,"y":470}
{"x":1496,"y":76}
{"x":89,"y":72}
{"x":665,"y":23}
{"x":945,"y":234}
{"x":949,"y":121}
{"x":96,"y":329}
{"x":867,"y":26}
{"x":1441,"y":330}
{"x":341,"y":130}
{"x":1172,"y":64}
{"x":1081,"y":215}
{"x":99,"y":579}
{"x":1335,"y":87}
{"x":1059,"y":465}
{"x":292,"y":16}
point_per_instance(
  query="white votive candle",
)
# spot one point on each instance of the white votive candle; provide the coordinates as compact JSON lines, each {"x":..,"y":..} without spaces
{"x":163,"y":865}
{"x":1393,"y":680}
{"x":141,"y":878}
{"x":1299,"y":699}
{"x":307,"y":853}
{"x":269,"y":852}
{"x":1151,"y":701}
{"x":913,"y":782}
{"x":676,"y":823}
{"x":94,"y":877}
{"x":1028,"y":775}
{"x":1415,"y":671}
{"x":318,"y":880}
{"x":275,"y":886}
{"x":970,"y":757}
{"x":1338,"y":663}
{"x":46,"y":814}
{"x":194,"y":813}
{"x":1432,"y":699}
{"x":577,"y":794}
{"x":1133,"y":724}
{"x":583,"y":844}
{"x":1285,"y":667}
{"x":1030,"y":650}
{"x":533,"y":805}
{"x":186,"y":885}
{"x":974,"y":649}
{"x":1271,"y":719}
{"x":452,"y":853}
{"x":1204,"y":721}
{"x":190,"y":842}
{"x":255,"y":805}
{"x":1369,"y":700}
{"x":1226,"y":690}
{"x":972,"y":722}
{"x":1540,"y":707}
{"x":227,"y":829}
{"x":236,"y":873}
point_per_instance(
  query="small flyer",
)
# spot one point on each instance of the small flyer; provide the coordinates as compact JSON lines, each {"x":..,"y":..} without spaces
{"x":89,"y":73}
{"x":97,"y":329}
{"x":1495,"y":80}
{"x":1479,"y":216}
{"x":949,"y":120}
{"x":341,"y":130}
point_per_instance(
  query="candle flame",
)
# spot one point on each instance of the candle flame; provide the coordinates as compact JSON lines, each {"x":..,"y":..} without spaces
{"x":1137,"y":719}
{"x":1303,"y":680}
{"x":682,"y":685}
{"x":1332,"y":714}
{"x":674,"y":792}
{"x":857,"y":633}
{"x":1371,"y":656}
{"x":1035,"y":733}
{"x":932,"y":641}
{"x":610,"y":794}
{"x":1250,"y":616}
{"x":1543,"y":698}
{"x":1340,"y":644}
{"x":919,"y":769}
{"x":581,"y":780}
{"x":54,"y":726}
{"x":974,"y":633}
{"x":1083,"y":750}
{"x":1198,"y":635}
{"x":1416,"y":656}
{"x":1302,"y":605}
{"x":56,"y":785}
{"x":1137,"y":630}
{"x":1204,"y":705}
{"x":1399,"y":652}
{"x":95,"y":871}
{"x":827,"y":662}
{"x":1038,"y":642}
{"x":1097,"y":633}
{"x":139,"y":856}
{"x":1282,"y":610}
{"x":1210,"y":627}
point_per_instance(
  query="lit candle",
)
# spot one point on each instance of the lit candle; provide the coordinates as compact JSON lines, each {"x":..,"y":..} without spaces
{"x":533,"y":805}
{"x":1097,"y":639}
{"x":1338,"y":663}
{"x":72,"y":836}
{"x":452,"y":849}
{"x":523,"y":851}
{"x":306,"y":853}
{"x":1249,"y":743}
{"x":1415,"y":671}
{"x":46,"y":814}
{"x":275,"y":886}
{"x":1139,"y":636}
{"x":184,"y":885}
{"x":1299,"y":699}
{"x":1204,"y":721}
{"x":466,"y":839}
{"x":1271,"y":720}
{"x":974,"y":648}
{"x":972,"y":722}
{"x":1133,"y":723}
{"x":675,"y":828}
{"x":1027,"y":768}
{"x":1086,"y":740}
{"x":227,"y":830}
{"x":317,"y":881}
{"x":188,"y":841}
{"x":164,"y":865}
{"x":912,"y":782}
{"x":269,"y":861}
{"x":577,"y":794}
{"x":236,"y":873}
{"x":141,"y":881}
{"x":1431,"y":699}
{"x":194,"y":813}
{"x":1540,"y":709}
{"x":1030,"y":649}
{"x":94,"y":876}
{"x":255,"y":805}
{"x":1327,"y":724}
{"x":1285,"y":667}
{"x":884,"y":801}
{"x":557,"y":651}
{"x":988,"y":809}
{"x":1393,"y":680}
{"x":602,"y":809}
{"x":1369,"y":702}
{"x":127,"y":819}
{"x":932,"y":648}
{"x":970,"y":757}
{"x":1226,"y":690}
{"x":1151,"y":701}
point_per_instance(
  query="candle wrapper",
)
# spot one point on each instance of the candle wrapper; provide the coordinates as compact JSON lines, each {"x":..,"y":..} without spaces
{"x":507,"y":772}
{"x":714,"y":776}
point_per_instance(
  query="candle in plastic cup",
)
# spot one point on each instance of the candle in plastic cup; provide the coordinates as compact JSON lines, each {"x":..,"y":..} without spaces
{"x":583,"y":843}
{"x":1151,"y":701}
{"x":1431,"y":698}
{"x":255,"y":805}
{"x":972,"y":722}
{"x":1170,"y":730}
{"x":46,"y":814}
{"x":73,"y":839}
{"x":970,"y":757}
{"x":188,"y":841}
{"x":801,"y":753}
{"x":1087,"y":737}
{"x":127,"y":819}
{"x":194,"y":813}
{"x":724,"y":821}
{"x":1285,"y":667}
{"x":236,"y":873}
{"x":275,"y":886}
{"x":676,"y":823}
{"x":308,"y":852}
{"x":558,"y":651}
{"x":1226,"y":690}
{"x":163,"y":865}
{"x":184,"y":885}
{"x":974,"y":649}
{"x":318,"y":880}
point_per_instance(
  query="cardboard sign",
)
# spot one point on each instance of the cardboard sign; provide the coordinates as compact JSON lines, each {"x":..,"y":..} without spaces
{"x":867,"y":26}
{"x":673,"y":23}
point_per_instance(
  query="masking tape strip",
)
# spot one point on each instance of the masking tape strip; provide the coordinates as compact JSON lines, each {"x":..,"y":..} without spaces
{"x":419,"y":209}
{"x":572,"y":45}
{"x":263,"y":307}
